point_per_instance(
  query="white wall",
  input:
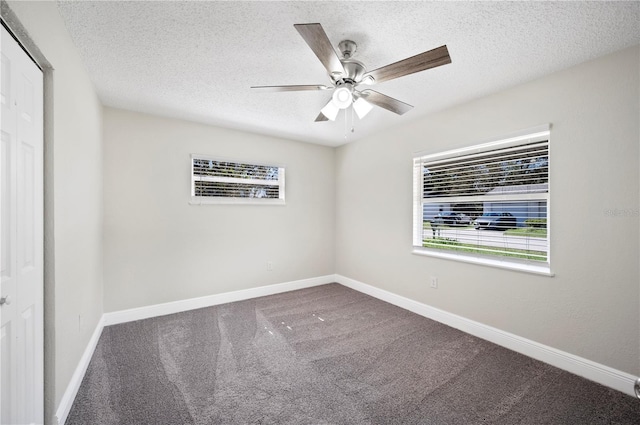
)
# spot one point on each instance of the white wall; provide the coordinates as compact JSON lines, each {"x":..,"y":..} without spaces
{"x":73,"y":198}
{"x":158,"y":248}
{"x":591,"y":307}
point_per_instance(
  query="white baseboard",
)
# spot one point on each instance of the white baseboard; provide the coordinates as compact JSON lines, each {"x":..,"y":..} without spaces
{"x":76,"y":379}
{"x":593,"y":371}
{"x":209,"y":300}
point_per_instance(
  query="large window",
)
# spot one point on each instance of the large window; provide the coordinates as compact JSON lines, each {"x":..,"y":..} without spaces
{"x":222,"y":181}
{"x":486,"y":204}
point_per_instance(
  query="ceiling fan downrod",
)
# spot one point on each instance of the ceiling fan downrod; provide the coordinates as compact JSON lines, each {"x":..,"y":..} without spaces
{"x":347,"y":48}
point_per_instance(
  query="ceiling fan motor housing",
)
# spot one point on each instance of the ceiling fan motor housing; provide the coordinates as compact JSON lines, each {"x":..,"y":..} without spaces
{"x":354,"y":71}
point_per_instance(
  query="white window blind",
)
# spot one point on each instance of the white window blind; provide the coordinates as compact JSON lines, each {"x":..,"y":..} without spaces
{"x":488,"y":201}
{"x":222,"y":181}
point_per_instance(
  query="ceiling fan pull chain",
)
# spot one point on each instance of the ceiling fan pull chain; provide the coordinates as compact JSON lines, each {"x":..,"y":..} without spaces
{"x":352,"y":120}
{"x":345,"y":124}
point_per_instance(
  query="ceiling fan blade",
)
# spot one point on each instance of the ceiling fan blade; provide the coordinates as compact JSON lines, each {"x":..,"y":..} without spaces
{"x":386,"y":102}
{"x":321,"y":118}
{"x":317,"y":39}
{"x":292,"y":88}
{"x":431,"y":59}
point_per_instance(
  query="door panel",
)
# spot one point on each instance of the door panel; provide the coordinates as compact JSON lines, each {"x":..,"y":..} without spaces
{"x":6,"y":207}
{"x":5,"y":88}
{"x":26,"y":208}
{"x":26,"y":369}
{"x":8,"y":373}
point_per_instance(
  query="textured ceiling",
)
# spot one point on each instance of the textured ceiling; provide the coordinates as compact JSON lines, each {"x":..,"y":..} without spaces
{"x":197,"y":60}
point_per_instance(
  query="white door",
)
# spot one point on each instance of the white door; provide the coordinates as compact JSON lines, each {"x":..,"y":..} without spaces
{"x":21,"y":287}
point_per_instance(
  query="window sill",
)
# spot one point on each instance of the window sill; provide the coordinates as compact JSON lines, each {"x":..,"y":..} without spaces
{"x":542,"y":269}
{"x":235,"y":201}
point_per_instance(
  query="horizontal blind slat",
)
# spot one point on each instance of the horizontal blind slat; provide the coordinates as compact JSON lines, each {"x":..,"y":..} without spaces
{"x":235,"y":180}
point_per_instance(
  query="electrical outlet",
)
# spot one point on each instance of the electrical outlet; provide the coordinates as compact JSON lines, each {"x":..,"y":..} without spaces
{"x":269,"y":266}
{"x":434,"y":282}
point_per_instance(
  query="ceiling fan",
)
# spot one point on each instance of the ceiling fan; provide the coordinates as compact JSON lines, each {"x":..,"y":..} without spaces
{"x":347,"y":74}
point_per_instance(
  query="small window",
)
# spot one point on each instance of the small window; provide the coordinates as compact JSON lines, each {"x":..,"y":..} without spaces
{"x":486,"y":204}
{"x":223,"y":181}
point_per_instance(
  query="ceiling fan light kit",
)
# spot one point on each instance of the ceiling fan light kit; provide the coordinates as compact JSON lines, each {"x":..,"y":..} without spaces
{"x":362,"y":107}
{"x":347,"y":73}
{"x":342,"y":96}
{"x":329,"y":111}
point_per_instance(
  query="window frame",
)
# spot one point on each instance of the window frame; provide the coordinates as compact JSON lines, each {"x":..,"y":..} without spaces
{"x":535,"y":134}
{"x":213,"y":200}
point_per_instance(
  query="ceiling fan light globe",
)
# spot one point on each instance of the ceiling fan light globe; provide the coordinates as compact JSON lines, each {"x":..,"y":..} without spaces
{"x":362,"y":107}
{"x":330,"y":111}
{"x":342,"y":97}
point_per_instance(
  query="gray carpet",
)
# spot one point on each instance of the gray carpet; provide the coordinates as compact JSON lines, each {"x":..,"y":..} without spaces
{"x":325,"y":355}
